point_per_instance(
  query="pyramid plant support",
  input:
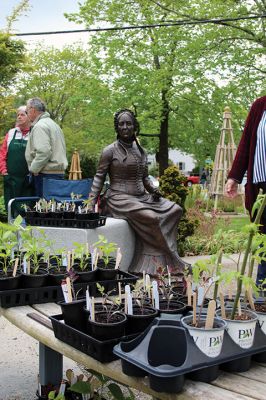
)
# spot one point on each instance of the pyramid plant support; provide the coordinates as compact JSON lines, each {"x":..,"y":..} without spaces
{"x":75,"y":172}
{"x":225,"y":154}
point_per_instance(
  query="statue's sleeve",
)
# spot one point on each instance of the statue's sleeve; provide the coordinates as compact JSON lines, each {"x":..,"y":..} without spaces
{"x":99,"y":178}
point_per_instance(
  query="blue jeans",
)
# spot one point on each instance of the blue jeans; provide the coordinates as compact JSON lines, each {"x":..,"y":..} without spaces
{"x":38,"y":182}
{"x":261,"y":274}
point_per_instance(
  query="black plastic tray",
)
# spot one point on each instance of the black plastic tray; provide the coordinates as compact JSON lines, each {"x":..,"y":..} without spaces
{"x":99,"y":350}
{"x":48,"y":294}
{"x":166,"y":353}
{"x":66,"y":223}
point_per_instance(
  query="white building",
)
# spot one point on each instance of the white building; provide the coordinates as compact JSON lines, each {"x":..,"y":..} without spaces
{"x":184,"y":161}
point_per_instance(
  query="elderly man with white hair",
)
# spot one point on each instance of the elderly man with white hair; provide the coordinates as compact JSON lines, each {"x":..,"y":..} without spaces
{"x":46,"y":148}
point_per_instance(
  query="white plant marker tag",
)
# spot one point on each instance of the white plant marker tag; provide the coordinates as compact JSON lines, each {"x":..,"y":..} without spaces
{"x":92,"y":309}
{"x":118,"y":258}
{"x":15,"y":267}
{"x":96,"y":208}
{"x":210,"y":314}
{"x":155,"y":294}
{"x":200,"y":295}
{"x":24,"y":265}
{"x":169,"y":275}
{"x":64,"y":260}
{"x":148,"y":284}
{"x":62,"y":388}
{"x":88,"y":299}
{"x":129,"y":300}
{"x":119,"y":291}
{"x":64,"y":290}
{"x":92,"y":251}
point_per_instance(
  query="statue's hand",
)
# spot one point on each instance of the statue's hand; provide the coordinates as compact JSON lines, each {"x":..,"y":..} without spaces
{"x":156,"y":195}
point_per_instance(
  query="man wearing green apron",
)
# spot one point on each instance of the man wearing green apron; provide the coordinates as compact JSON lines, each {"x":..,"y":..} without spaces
{"x":13,"y":165}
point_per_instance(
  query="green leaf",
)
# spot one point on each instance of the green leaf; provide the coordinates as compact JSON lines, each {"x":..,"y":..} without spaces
{"x":116,"y":391}
{"x":81,"y":387}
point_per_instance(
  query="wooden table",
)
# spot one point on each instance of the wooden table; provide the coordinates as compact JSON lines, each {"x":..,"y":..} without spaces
{"x":249,"y":385}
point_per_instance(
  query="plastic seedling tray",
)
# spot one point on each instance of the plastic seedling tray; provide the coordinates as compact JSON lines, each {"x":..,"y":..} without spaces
{"x":65,"y":223}
{"x":53,"y":294}
{"x":99,"y":350}
{"x":167,"y":353}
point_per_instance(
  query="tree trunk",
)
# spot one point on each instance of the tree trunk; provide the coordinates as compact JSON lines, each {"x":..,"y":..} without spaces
{"x":163,"y":140}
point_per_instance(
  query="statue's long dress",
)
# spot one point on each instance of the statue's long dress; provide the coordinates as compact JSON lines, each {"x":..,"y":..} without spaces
{"x":130,"y":197}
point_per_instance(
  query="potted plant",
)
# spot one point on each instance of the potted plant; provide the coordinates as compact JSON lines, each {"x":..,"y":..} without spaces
{"x":9,"y":275}
{"x":82,"y":262}
{"x":57,"y":271}
{"x":34,"y":248}
{"x":142,"y":313}
{"x":168,"y":302}
{"x":84,"y":212}
{"x":107,"y":324}
{"x":72,"y":306}
{"x":106,"y":262}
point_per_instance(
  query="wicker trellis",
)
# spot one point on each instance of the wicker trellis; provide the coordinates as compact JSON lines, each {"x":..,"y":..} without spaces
{"x":75,"y":172}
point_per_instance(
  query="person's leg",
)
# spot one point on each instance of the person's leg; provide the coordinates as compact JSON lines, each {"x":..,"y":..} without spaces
{"x":37,"y":180}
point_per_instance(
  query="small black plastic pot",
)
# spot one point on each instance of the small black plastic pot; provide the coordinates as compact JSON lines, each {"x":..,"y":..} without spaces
{"x":86,"y":274}
{"x":39,"y":279}
{"x":172,"y":307}
{"x":8,"y":281}
{"x":69,"y":215}
{"x":168,"y":385}
{"x":56,"y":275}
{"x":106,"y":272}
{"x":206,"y":375}
{"x":132,"y":370}
{"x":115,"y":328}
{"x":141,"y":319}
{"x":239,"y":365}
{"x":73,"y":313}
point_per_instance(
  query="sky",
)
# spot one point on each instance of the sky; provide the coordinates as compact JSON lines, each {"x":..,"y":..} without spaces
{"x":44,"y":15}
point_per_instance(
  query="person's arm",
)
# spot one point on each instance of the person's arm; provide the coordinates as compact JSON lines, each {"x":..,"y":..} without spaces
{"x":42,"y":147}
{"x":3,"y":156}
{"x":99,"y":178}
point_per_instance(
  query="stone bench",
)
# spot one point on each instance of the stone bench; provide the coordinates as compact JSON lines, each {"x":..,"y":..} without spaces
{"x":115,"y":230}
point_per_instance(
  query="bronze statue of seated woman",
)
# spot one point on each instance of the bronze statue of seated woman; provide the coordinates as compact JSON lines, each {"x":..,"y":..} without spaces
{"x":132,"y":196}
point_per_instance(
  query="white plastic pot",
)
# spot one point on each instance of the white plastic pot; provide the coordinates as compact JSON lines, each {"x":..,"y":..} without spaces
{"x":209,"y":341}
{"x":241,"y":331}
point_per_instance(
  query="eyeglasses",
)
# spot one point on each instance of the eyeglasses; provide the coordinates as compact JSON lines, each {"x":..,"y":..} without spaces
{"x":27,"y":109}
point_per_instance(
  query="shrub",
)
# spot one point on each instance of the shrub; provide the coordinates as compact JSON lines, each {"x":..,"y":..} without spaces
{"x":172,"y":186}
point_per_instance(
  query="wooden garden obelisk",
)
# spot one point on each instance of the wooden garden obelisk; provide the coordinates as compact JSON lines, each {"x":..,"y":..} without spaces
{"x":75,"y":171}
{"x":225,"y":153}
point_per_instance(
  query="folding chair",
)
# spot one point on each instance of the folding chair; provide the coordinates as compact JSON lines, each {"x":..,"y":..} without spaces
{"x":59,"y":190}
